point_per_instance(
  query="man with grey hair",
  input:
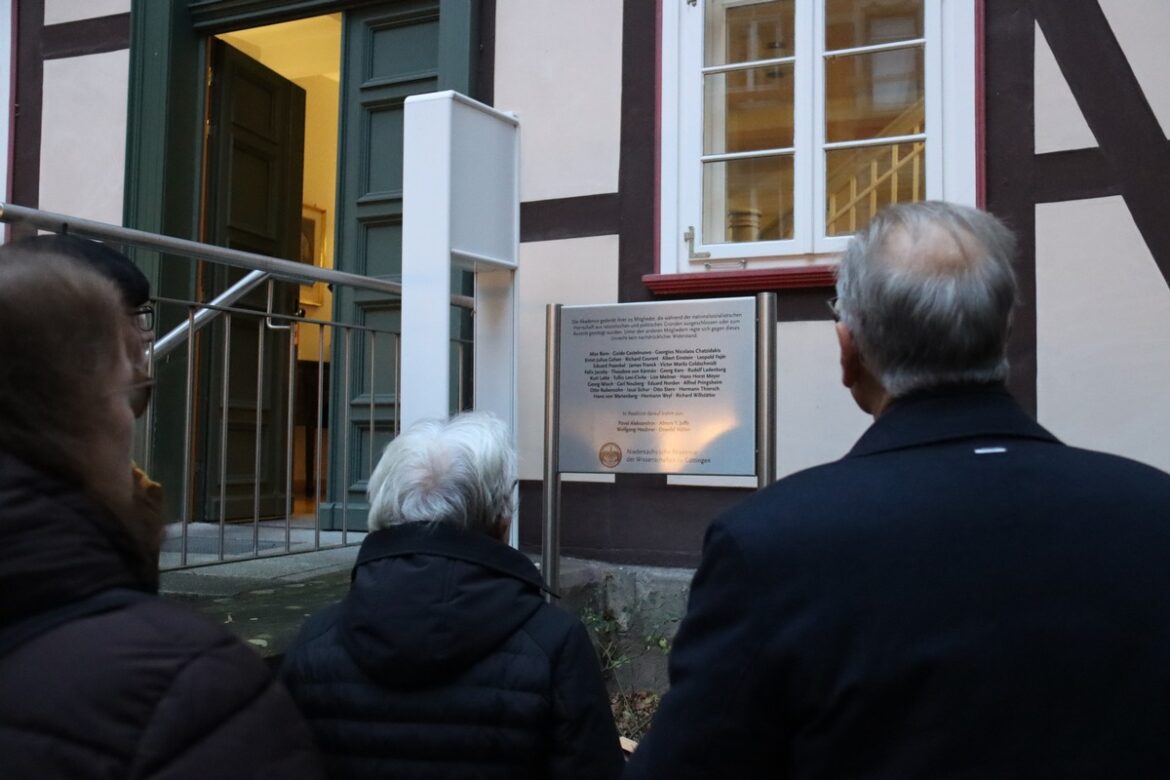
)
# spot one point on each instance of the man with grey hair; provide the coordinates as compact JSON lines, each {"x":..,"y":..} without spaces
{"x":444,"y":660}
{"x":961,"y":595}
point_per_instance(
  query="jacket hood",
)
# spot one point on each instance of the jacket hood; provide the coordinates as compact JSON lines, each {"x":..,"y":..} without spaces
{"x":428,"y":600}
{"x":56,"y":544}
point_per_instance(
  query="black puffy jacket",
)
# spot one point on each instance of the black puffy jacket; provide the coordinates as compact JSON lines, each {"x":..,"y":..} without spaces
{"x":146,"y":690}
{"x":444,"y":661}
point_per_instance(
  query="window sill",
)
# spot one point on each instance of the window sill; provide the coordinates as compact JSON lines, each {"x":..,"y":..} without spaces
{"x":749,"y":280}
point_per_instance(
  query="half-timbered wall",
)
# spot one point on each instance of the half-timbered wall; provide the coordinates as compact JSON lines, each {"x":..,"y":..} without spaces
{"x":1103,"y":325}
{"x":1078,"y":162}
{"x":1075,"y":115}
{"x":70,"y":127}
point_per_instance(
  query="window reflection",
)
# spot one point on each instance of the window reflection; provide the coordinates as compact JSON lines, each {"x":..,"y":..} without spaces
{"x":748,"y":110}
{"x":875,"y":95}
{"x":853,"y":23}
{"x":748,"y":199}
{"x":863,"y":180}
{"x":747,"y":32}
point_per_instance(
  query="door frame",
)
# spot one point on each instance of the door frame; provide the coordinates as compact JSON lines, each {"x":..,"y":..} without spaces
{"x":166,"y":107}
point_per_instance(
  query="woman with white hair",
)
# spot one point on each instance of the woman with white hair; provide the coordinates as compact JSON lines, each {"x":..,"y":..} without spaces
{"x":444,"y":660}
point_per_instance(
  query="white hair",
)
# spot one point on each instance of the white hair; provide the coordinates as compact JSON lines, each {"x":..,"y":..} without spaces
{"x":459,"y":471}
{"x":927,"y":290}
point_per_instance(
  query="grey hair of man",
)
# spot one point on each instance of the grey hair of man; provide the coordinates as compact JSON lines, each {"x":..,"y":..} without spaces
{"x":459,"y":471}
{"x":927,"y":291}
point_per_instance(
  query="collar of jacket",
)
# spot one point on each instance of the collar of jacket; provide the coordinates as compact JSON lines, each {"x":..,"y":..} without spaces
{"x":947,"y":414}
{"x":56,"y":544}
{"x":449,"y":541}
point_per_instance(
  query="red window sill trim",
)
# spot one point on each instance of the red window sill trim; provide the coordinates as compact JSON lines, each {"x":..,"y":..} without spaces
{"x":741,"y":281}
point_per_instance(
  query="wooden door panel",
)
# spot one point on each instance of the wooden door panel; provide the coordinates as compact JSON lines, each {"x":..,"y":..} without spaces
{"x":256,"y":151}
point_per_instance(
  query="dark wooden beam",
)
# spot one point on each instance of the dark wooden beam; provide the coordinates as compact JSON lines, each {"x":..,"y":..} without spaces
{"x":587,"y":215}
{"x":86,"y":36}
{"x":1075,"y":174}
{"x":1010,"y":131}
{"x":637,"y":182}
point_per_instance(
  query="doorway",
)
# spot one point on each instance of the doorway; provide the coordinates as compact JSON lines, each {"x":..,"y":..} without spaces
{"x":273,"y":104}
{"x":385,"y":50}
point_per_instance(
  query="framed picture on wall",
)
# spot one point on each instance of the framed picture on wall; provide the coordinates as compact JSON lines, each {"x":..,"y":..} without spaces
{"x":312,"y":251}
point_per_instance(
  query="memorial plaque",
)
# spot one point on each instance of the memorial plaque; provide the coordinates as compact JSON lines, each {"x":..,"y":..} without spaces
{"x":659,"y":388}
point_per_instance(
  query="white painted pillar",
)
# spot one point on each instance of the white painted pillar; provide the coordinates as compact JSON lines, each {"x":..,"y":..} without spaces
{"x":461,"y":208}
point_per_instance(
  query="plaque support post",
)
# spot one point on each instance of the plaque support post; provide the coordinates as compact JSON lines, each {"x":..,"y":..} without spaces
{"x":550,"y":542}
{"x":765,"y":388}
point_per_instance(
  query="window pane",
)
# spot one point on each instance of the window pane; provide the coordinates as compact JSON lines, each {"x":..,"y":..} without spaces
{"x":850,"y":23}
{"x":874,"y":95}
{"x":860,"y":181}
{"x":746,"y":110}
{"x":747,"y":200}
{"x":747,"y":32}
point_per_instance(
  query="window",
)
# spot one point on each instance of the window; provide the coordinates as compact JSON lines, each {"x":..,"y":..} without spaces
{"x":787,"y":123}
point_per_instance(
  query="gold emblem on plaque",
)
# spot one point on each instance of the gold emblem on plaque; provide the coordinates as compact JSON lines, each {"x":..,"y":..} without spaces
{"x":610,"y":455}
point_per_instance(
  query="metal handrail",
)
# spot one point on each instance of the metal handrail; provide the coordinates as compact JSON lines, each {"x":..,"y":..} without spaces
{"x":171,"y":341}
{"x":287,"y":270}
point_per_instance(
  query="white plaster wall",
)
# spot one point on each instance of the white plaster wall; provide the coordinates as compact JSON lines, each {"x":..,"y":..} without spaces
{"x":816,"y":419}
{"x":1060,"y":125}
{"x":1103,"y":332}
{"x":58,"y":11}
{"x":83,"y":136}
{"x":558,"y":66}
{"x":573,"y":271}
{"x":1141,"y":27}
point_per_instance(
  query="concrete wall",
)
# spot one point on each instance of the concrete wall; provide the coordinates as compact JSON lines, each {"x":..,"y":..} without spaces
{"x":558,"y":66}
{"x":61,"y":11}
{"x":816,"y":419}
{"x":1103,"y":334}
{"x":83,"y":135}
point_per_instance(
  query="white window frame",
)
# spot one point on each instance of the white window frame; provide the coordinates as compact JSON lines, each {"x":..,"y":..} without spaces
{"x":950,"y":88}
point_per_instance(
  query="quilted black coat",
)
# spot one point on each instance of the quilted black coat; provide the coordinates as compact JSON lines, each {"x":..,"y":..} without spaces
{"x":444,"y":661}
{"x":147,"y":690}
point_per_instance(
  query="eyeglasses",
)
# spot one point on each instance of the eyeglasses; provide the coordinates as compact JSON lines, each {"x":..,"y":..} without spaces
{"x":833,"y":309}
{"x":143,"y":317}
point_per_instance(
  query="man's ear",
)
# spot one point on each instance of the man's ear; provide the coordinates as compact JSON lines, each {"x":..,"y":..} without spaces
{"x":850,"y":357}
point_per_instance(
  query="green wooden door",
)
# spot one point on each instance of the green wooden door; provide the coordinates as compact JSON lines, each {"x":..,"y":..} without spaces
{"x":256,"y":152}
{"x":390,"y":52}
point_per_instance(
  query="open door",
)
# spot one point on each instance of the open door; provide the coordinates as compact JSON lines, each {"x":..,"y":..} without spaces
{"x":256,"y":125}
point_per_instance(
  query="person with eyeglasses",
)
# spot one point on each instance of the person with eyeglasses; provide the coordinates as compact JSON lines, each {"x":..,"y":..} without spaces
{"x":960,"y":595}
{"x":131,"y":283}
{"x":134,"y":289}
{"x":99,"y":677}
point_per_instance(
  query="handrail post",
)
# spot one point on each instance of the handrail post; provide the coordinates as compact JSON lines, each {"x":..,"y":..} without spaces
{"x":765,"y":388}
{"x":550,"y":542}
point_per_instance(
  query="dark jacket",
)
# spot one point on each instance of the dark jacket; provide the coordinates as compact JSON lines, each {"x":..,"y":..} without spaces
{"x":147,"y":690}
{"x":444,"y":661}
{"x":961,"y":596}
